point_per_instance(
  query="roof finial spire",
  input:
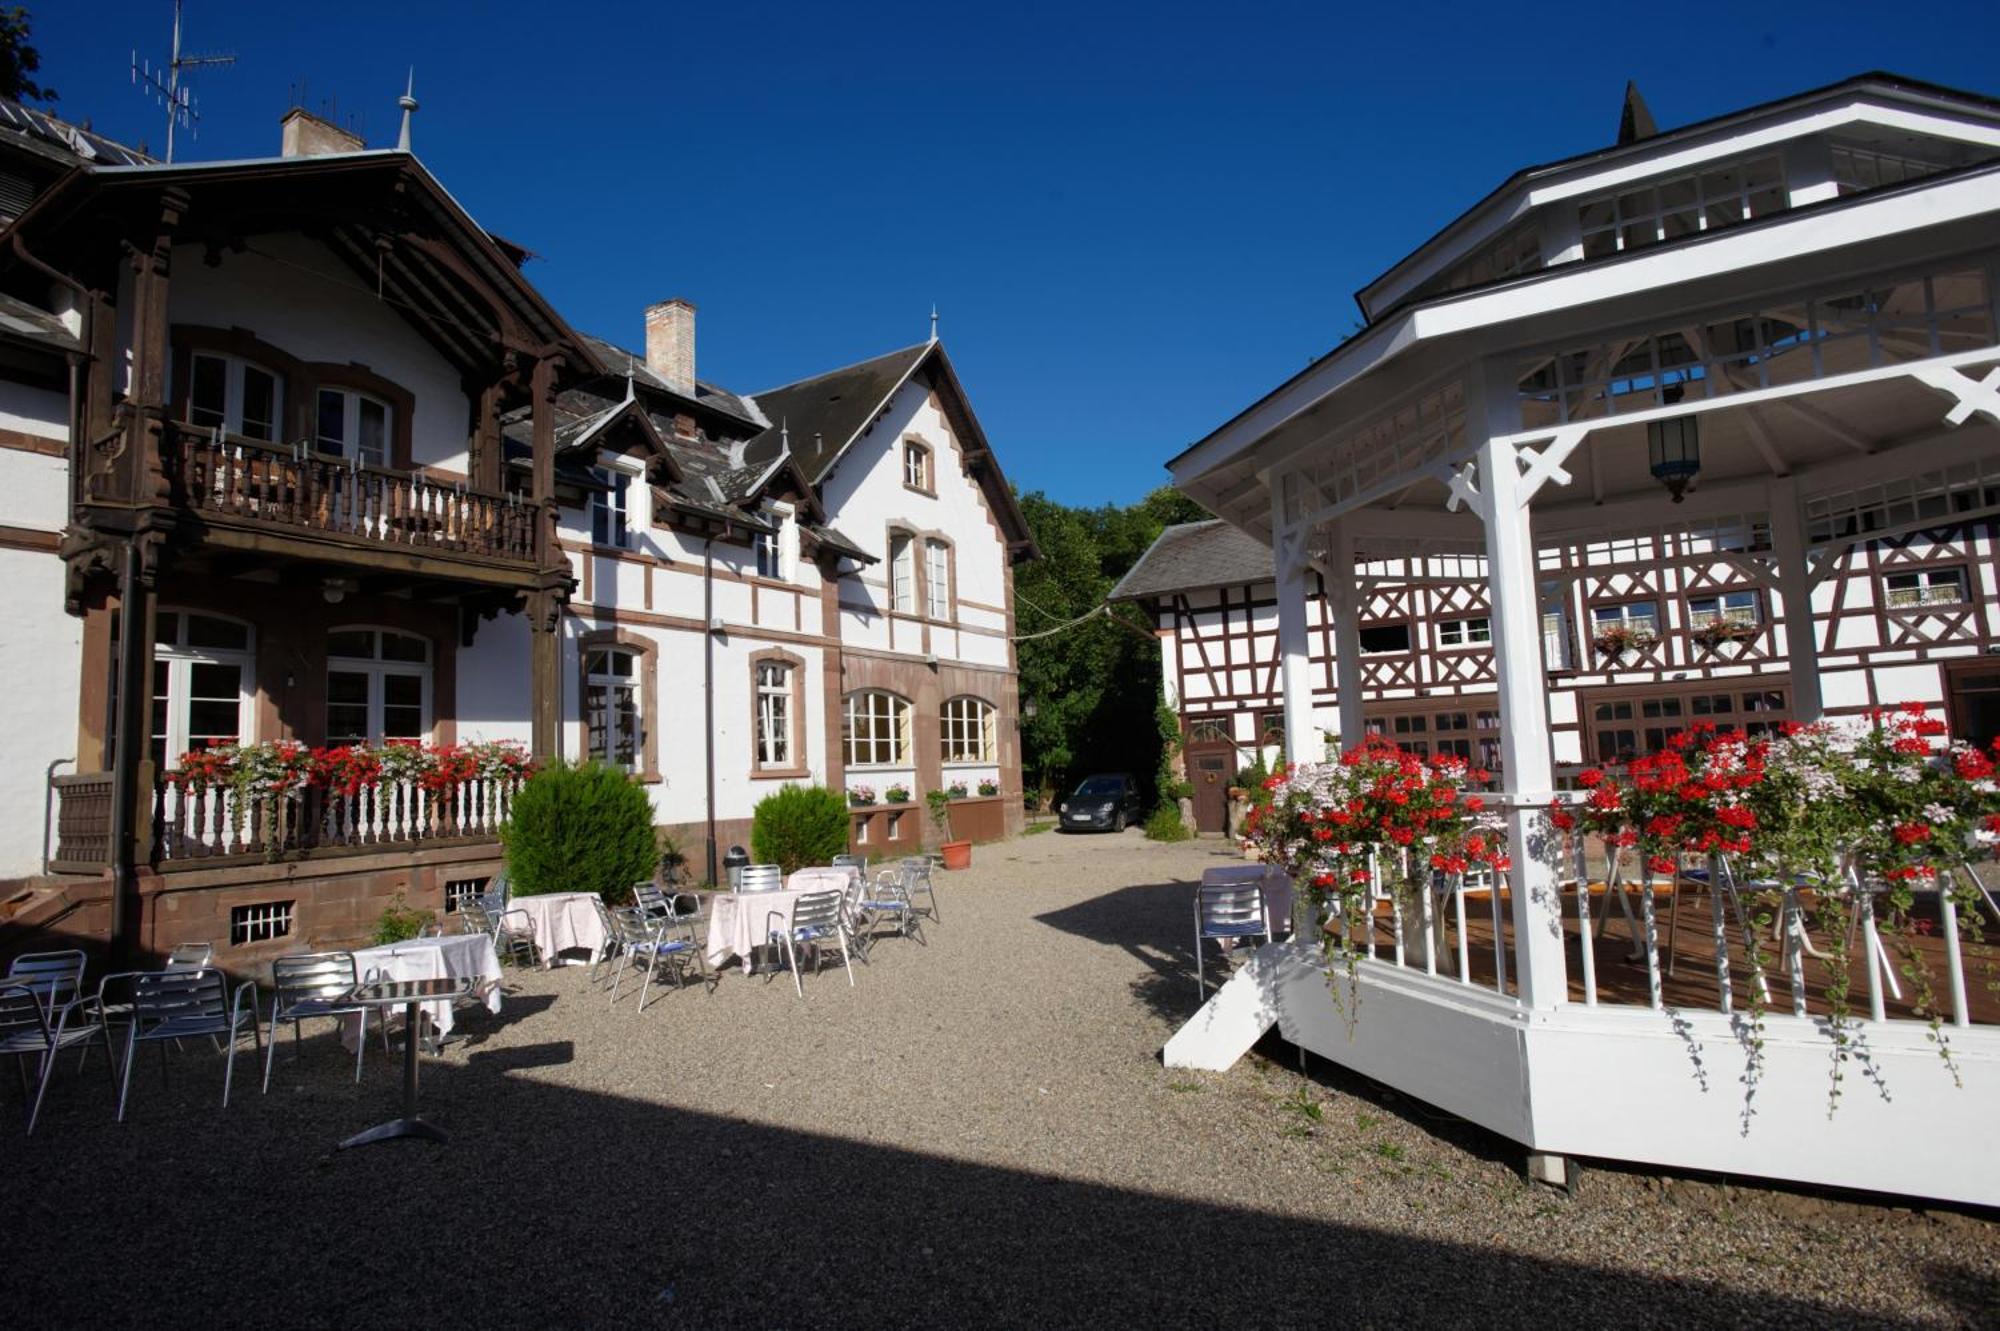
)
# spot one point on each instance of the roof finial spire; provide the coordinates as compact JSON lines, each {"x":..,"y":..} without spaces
{"x":408,"y":101}
{"x":933,"y":321}
{"x":631,"y":369}
{"x":784,"y":434}
{"x":1635,"y":120}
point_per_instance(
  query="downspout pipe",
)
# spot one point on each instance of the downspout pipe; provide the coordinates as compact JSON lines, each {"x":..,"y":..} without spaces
{"x":126,"y":749}
{"x":708,"y":686}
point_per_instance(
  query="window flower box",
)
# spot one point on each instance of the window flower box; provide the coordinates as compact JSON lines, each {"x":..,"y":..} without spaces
{"x":897,"y":795}
{"x":860,"y":797}
{"x":989,"y":787}
{"x":1613,"y":642}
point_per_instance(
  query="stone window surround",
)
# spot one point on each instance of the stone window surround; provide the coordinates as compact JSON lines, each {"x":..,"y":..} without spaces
{"x":920,"y":571}
{"x":299,"y":384}
{"x":916,"y":444}
{"x":797,"y":768}
{"x":597,"y":640}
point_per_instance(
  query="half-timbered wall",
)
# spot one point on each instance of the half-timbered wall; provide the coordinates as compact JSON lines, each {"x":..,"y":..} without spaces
{"x":1878,"y":644}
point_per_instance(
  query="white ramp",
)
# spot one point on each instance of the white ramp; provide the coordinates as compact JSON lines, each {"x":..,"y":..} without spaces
{"x":1235,"y":1016}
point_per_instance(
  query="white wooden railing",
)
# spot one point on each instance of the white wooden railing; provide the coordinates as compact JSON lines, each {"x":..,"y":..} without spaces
{"x":200,"y":822}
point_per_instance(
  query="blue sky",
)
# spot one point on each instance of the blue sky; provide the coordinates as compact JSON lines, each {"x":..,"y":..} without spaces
{"x":1134,"y":219}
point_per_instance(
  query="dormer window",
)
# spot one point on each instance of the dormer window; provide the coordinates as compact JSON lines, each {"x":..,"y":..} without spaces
{"x":917,"y":466}
{"x":610,"y":507}
{"x":1665,"y":210}
{"x":228,"y":393}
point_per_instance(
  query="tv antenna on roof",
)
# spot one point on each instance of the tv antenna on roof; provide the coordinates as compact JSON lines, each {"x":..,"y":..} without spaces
{"x":166,"y":85}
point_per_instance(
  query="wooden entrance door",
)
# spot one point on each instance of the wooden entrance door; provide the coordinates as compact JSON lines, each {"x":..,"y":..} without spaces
{"x":1210,"y":770}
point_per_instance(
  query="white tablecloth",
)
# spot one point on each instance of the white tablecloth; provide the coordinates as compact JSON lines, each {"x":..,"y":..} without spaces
{"x":822,"y":880}
{"x":1276,"y":885}
{"x":562,"y":921}
{"x":429,"y":959}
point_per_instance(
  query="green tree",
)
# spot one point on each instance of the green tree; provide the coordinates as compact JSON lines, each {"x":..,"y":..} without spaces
{"x":19,"y":60}
{"x":1095,"y":684}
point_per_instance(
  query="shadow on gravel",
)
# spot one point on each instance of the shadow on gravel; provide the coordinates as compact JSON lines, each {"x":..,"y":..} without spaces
{"x":1153,"y":923}
{"x":558,"y":1205}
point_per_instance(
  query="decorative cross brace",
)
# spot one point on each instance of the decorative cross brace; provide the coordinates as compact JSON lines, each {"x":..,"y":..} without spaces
{"x":1463,"y":491}
{"x":1981,"y":396}
{"x":1541,"y":468}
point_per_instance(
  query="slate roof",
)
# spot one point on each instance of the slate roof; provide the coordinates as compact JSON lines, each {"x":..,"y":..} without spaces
{"x":42,"y":133}
{"x":705,"y":394}
{"x":1189,"y":555}
{"x":822,"y":413}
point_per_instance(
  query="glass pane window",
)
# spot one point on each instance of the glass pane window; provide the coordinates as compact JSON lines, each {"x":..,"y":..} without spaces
{"x":611,"y":708}
{"x":1465,"y":632}
{"x":229,"y":393}
{"x":1384,"y":638}
{"x":1728,"y":608}
{"x":203,"y":682}
{"x":875,"y":729}
{"x":774,"y":714}
{"x":1641,"y":616}
{"x":966,"y":728}
{"x":937,"y":579}
{"x":351,"y":424}
{"x":1918,"y":588}
{"x":916,"y":466}
{"x":766,"y":546}
{"x":378,"y":686}
{"x":610,"y":507}
{"x":902,"y":574}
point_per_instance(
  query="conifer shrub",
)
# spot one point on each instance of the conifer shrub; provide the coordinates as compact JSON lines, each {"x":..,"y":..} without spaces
{"x":797,"y":826}
{"x":585,"y":828}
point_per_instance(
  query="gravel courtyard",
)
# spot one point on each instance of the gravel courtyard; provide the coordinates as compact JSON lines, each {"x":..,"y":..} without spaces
{"x":980,"y":1132}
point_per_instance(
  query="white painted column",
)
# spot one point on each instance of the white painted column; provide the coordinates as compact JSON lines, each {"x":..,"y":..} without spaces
{"x":1344,"y":601}
{"x":1302,"y":736}
{"x":1795,"y":587}
{"x":1524,"y":719}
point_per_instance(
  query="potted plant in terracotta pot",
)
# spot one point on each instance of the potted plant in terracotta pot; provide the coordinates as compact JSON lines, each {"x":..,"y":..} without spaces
{"x":957,"y":854}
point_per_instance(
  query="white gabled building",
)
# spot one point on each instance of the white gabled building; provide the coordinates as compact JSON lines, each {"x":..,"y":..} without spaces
{"x":1703,"y":426}
{"x":311,"y":425}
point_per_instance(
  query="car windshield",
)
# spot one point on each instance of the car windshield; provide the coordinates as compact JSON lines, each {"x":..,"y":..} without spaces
{"x":1102,"y":785}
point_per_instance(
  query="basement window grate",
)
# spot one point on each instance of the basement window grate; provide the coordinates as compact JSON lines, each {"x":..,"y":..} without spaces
{"x":260,"y":923}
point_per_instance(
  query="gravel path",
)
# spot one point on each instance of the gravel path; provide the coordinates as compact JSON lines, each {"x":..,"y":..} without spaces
{"x":979,"y":1132}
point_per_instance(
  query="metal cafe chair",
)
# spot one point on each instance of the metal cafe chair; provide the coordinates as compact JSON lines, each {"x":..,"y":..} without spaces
{"x":512,"y":934}
{"x":850,"y":862}
{"x":760,"y":878}
{"x":817,"y":918}
{"x":917,"y":878}
{"x":652,"y":944}
{"x":177,"y":1005}
{"x":1227,"y":910}
{"x":888,"y":899}
{"x":312,"y":984}
{"x":34,"y":1026}
{"x":50,"y":975}
{"x":613,"y":947}
{"x":190,"y":957}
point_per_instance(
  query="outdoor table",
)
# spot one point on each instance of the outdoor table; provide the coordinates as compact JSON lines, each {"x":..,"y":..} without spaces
{"x":455,"y":956}
{"x":739,"y":921}
{"x":412,"y":995}
{"x":561,"y":921}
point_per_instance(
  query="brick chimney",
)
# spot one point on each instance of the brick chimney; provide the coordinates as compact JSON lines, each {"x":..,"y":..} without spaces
{"x":670,"y":342}
{"x":306,"y":135}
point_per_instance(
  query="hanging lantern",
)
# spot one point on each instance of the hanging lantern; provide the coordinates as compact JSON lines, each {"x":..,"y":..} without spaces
{"x":1675,"y":447}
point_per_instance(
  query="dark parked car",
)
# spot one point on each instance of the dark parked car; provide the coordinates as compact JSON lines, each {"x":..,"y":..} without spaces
{"x":1102,"y":803}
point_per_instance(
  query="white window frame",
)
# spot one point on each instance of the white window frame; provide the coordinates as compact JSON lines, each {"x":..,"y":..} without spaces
{"x":350,"y":424}
{"x":610,"y":509}
{"x":865,"y":715}
{"x":1476,"y":631}
{"x":1739,"y":607}
{"x":1925,"y":588}
{"x":902,"y":573}
{"x":937,"y":578}
{"x":1555,"y":639}
{"x":180,"y":658}
{"x":234,"y":369}
{"x":775,"y":722}
{"x":966,"y":731}
{"x":378,"y":669}
{"x":1640,"y":615}
{"x":917,"y":465}
{"x":617,"y":720}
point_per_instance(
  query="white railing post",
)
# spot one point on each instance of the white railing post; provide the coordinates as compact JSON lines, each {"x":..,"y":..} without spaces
{"x":1954,"y":959}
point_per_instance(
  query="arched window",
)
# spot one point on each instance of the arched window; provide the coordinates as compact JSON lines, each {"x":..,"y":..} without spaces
{"x":611,"y":706}
{"x":378,"y":686}
{"x":876,"y":729}
{"x":965,"y":729}
{"x":204,"y":672}
{"x":777,"y":684}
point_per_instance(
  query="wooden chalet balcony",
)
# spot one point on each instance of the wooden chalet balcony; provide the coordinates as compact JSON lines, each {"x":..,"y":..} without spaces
{"x":282,"y":498}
